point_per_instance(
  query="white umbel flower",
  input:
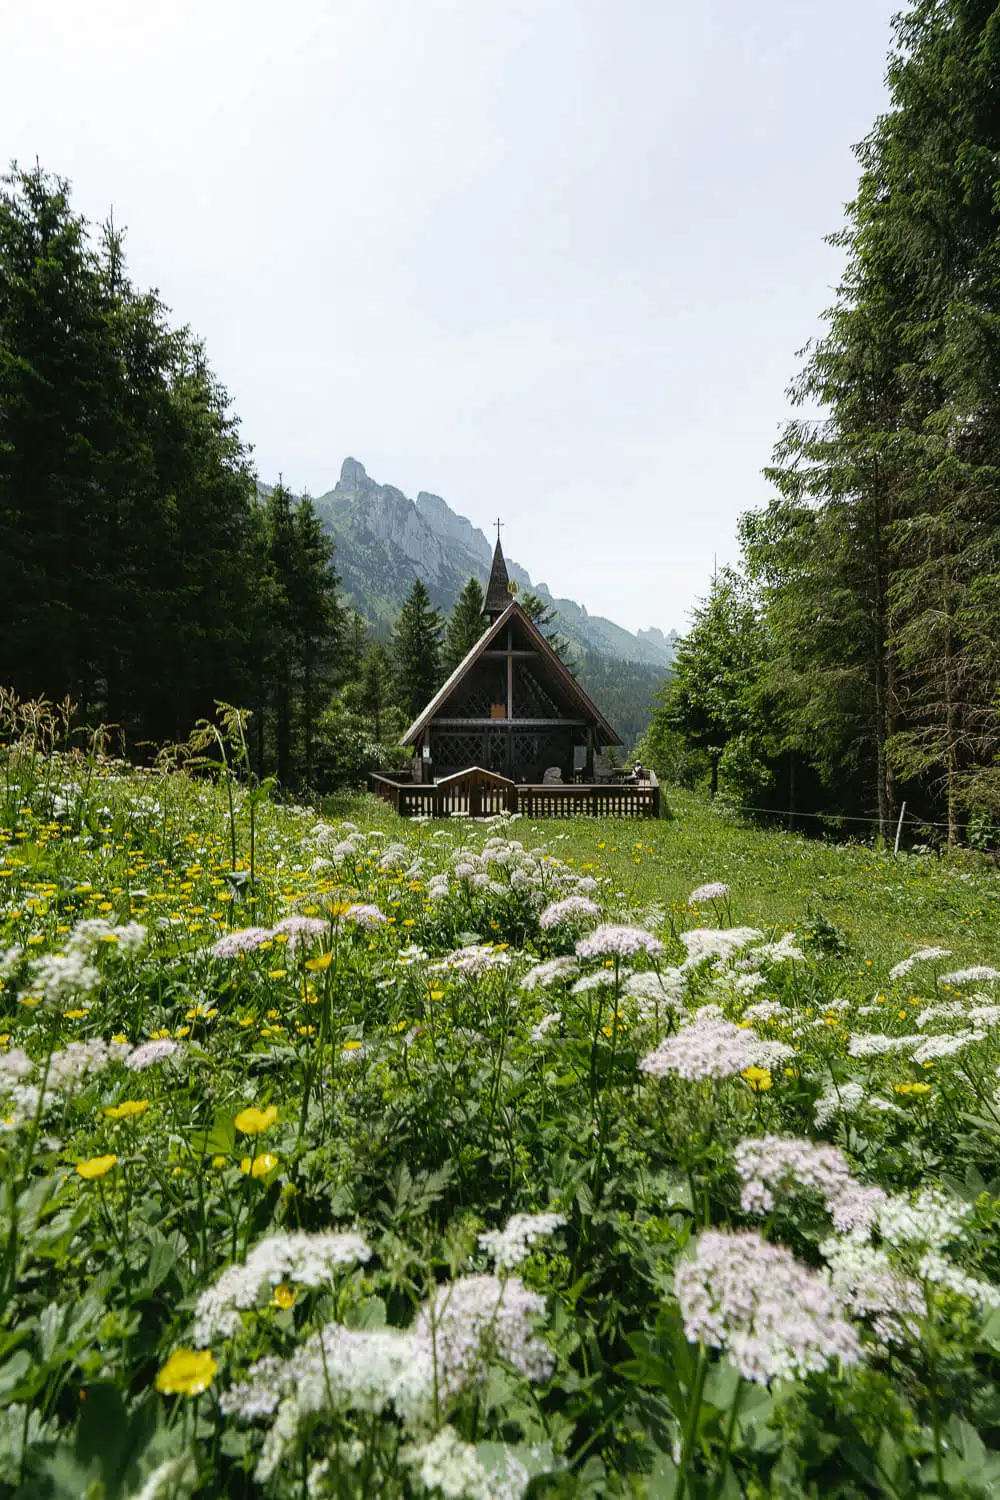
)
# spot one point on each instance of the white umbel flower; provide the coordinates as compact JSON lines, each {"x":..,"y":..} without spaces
{"x":305,"y":1259}
{"x":976,"y":974}
{"x":712,"y":890}
{"x":932,"y":1218}
{"x":712,"y":1047}
{"x":550,"y":972}
{"x":922,"y":955}
{"x":448,"y":1466}
{"x":946,"y":1046}
{"x":613,"y":941}
{"x":569,"y":912}
{"x":708,"y":942}
{"x":478,"y":1319}
{"x":775,"y":1317}
{"x":772,"y":1164}
{"x":512,"y":1244}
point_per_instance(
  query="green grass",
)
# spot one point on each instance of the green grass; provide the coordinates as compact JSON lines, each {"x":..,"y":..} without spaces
{"x":886,"y":905}
{"x":193,"y":1103}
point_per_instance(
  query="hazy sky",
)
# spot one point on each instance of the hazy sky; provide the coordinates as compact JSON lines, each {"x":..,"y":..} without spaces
{"x":551,"y":260}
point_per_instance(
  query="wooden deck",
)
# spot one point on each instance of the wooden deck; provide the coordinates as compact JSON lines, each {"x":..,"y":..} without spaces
{"x":482,"y":794}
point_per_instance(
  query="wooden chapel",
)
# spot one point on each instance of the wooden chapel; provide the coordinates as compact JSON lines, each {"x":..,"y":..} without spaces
{"x":513,"y":730}
{"x":511,"y":707}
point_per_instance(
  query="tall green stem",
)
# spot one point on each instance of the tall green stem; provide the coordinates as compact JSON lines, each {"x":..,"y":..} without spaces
{"x":691,"y":1430}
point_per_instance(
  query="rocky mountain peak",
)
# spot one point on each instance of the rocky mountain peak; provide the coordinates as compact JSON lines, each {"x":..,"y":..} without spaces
{"x":354,"y":477}
{"x":656,"y":638}
{"x":384,"y":540}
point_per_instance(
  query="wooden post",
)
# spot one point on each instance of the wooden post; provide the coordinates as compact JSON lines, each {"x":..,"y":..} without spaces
{"x":510,"y":674}
{"x":899,"y":829}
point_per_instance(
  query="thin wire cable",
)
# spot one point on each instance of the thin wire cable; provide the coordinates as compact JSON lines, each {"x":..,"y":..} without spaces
{"x":783,"y":812}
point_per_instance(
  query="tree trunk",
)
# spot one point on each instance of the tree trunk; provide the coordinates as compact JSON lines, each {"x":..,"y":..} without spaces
{"x":283,"y":722}
{"x":952,"y":713}
{"x":307,"y":714}
{"x":884,"y":791}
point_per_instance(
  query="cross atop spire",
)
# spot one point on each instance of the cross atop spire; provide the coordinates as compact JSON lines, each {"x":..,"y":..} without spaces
{"x":498,"y":588}
{"x":499,"y":523}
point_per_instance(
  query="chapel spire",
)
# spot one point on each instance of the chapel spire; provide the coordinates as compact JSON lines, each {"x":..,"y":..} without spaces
{"x":498,"y":591}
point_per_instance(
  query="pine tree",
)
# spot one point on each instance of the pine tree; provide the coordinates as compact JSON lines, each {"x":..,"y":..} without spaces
{"x":876,"y":559}
{"x":124,"y":491}
{"x":713,"y":698}
{"x":465,"y":625}
{"x":281,"y":546}
{"x":55,"y":357}
{"x":316,"y":620}
{"x":416,"y":650}
{"x":376,"y":688}
{"x":355,"y":635}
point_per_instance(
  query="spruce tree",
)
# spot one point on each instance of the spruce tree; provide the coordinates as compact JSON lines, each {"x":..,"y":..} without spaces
{"x":376,"y":688}
{"x":55,"y":360}
{"x":125,"y":497}
{"x":881,"y":560}
{"x":316,"y":621}
{"x":416,"y":650}
{"x":281,"y":545}
{"x":712,"y":698}
{"x":466,"y":624}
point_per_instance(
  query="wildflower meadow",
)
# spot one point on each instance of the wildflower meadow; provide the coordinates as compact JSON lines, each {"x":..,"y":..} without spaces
{"x":346,"y":1157}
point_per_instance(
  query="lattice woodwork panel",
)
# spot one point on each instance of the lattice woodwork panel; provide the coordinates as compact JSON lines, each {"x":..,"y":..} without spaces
{"x":450,"y":747}
{"x":535,"y":750}
{"x":472,"y":702}
{"x":531,"y":701}
{"x":497,"y":752}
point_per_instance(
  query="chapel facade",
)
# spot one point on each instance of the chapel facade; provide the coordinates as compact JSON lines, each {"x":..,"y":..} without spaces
{"x":511,"y":707}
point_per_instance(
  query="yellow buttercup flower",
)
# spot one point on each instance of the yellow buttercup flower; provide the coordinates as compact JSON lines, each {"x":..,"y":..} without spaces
{"x":260,"y":1166}
{"x":127,"y":1109}
{"x":284,"y":1297}
{"x":187,"y":1372}
{"x":253,"y":1121}
{"x":219,"y":1162}
{"x":322,"y":962}
{"x":912,"y":1088}
{"x":96,"y":1166}
{"x":759,"y":1079}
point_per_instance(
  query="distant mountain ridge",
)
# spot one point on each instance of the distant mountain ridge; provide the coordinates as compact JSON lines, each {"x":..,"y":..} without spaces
{"x":385,"y":540}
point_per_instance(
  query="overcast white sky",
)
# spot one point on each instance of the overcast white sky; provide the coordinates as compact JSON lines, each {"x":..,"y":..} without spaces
{"x":550,"y":259}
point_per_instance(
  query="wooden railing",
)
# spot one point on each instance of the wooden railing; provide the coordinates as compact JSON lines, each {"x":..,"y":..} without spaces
{"x":607,"y":799}
{"x":475,"y":795}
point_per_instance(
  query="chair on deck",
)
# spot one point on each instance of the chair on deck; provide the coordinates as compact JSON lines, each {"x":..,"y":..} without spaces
{"x":552,"y":776}
{"x":603,"y":769}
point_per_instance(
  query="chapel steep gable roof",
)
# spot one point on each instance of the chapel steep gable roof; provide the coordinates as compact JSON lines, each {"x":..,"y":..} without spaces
{"x":556,"y":671}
